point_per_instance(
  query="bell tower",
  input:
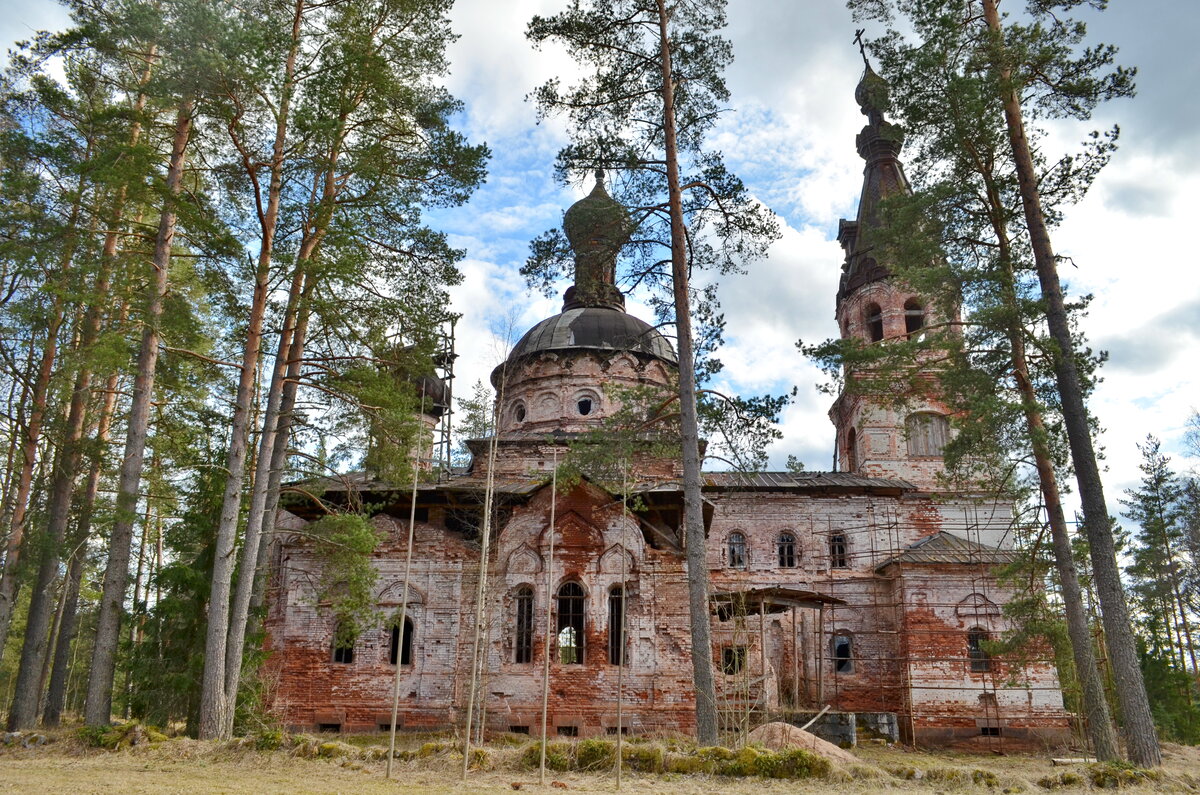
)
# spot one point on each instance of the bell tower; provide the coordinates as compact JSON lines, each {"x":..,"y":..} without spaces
{"x":880,"y":436}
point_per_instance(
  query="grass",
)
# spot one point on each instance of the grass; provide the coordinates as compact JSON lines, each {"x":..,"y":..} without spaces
{"x":76,"y":764}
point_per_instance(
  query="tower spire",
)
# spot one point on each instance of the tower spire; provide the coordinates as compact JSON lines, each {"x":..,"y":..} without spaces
{"x":879,"y":144}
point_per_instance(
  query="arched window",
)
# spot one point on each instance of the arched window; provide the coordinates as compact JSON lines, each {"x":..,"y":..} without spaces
{"x":394,"y":645}
{"x":874,"y":318}
{"x":852,"y":450}
{"x":737,"y":551}
{"x":523,"y":640}
{"x":616,"y":626}
{"x":584,"y":405}
{"x":981,"y":661}
{"x":343,"y":644}
{"x":927,"y":433}
{"x":841,"y":651}
{"x":839,"y":555}
{"x":787,"y":551}
{"x":914,"y":316}
{"x":570,"y":624}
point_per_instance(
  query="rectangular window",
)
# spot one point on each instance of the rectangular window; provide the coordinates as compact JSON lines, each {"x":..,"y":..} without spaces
{"x":523,"y":641}
{"x":616,"y":627}
{"x":343,"y":646}
{"x":838,"y":557}
{"x":733,"y":659}
{"x":568,"y":731}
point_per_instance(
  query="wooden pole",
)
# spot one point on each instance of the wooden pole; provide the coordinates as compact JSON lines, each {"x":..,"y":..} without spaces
{"x":821,"y":655}
{"x":412,"y":521}
{"x":549,"y":619}
{"x":621,"y":617}
{"x":485,"y":544}
{"x":795,"y":661}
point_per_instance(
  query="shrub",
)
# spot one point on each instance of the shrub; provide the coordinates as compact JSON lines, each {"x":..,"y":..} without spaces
{"x":269,"y":739}
{"x":688,"y":764}
{"x":714,"y":753}
{"x":984,"y":778}
{"x":743,"y":763}
{"x":558,"y":756}
{"x":595,"y":754}
{"x":433,"y":749}
{"x":798,"y":763}
{"x":481,"y":759}
{"x":644,"y":758}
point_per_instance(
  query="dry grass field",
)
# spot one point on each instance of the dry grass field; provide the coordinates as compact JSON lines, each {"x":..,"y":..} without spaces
{"x":317,"y":765}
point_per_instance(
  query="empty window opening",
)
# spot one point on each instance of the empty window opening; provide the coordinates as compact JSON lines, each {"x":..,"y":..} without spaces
{"x":421,"y":514}
{"x":927,"y":433}
{"x":568,"y":731}
{"x":852,"y":450}
{"x":737,"y":551}
{"x":616,"y":626}
{"x":874,"y":323}
{"x":989,"y":731}
{"x":333,"y":728}
{"x":464,"y":520}
{"x":914,"y":316}
{"x":523,"y":646}
{"x":585,"y":406}
{"x":518,"y":729}
{"x":787,"y":551}
{"x":570,"y":624}
{"x":839,"y":557}
{"x":519,"y":412}
{"x":981,"y":661}
{"x":733,"y":659}
{"x":843,"y":654}
{"x":613,"y":730}
{"x":406,"y":649}
{"x":343,"y":645}
{"x":387,"y":727}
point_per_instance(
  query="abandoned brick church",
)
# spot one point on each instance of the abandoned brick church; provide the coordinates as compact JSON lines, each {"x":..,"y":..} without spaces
{"x":870,"y":590}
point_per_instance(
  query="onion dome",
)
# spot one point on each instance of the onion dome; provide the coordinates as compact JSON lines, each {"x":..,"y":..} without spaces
{"x":597,"y":226}
{"x":871,"y":94}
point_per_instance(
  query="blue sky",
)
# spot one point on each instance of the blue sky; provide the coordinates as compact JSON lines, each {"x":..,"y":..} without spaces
{"x":790,"y":135}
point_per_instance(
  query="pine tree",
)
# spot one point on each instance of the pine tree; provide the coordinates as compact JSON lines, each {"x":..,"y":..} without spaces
{"x":1034,"y":69}
{"x":654,"y":88}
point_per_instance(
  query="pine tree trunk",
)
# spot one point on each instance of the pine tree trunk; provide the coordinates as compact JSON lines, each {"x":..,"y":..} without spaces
{"x":56,"y":696}
{"x":689,"y":431}
{"x":248,"y":564}
{"x":1095,"y":704}
{"x":98,"y":707}
{"x":56,"y":691}
{"x":32,"y":437}
{"x":224,"y":641}
{"x":279,"y":454}
{"x":1140,"y":736}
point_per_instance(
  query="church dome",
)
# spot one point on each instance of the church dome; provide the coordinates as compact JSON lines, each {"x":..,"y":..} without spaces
{"x":594,"y":328}
{"x":597,"y":221}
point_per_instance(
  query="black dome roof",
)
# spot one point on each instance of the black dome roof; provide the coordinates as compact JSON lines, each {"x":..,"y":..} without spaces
{"x":598,"y":328}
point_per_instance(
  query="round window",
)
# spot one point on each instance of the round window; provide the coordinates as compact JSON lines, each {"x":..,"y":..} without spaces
{"x":519,"y":412}
{"x":585,"y":406}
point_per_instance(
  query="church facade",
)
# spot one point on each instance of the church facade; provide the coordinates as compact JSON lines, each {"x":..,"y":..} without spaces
{"x":869,"y":590}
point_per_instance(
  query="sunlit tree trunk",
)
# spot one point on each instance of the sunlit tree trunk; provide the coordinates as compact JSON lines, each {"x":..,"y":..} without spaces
{"x":1141,"y":739}
{"x":98,"y":707}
